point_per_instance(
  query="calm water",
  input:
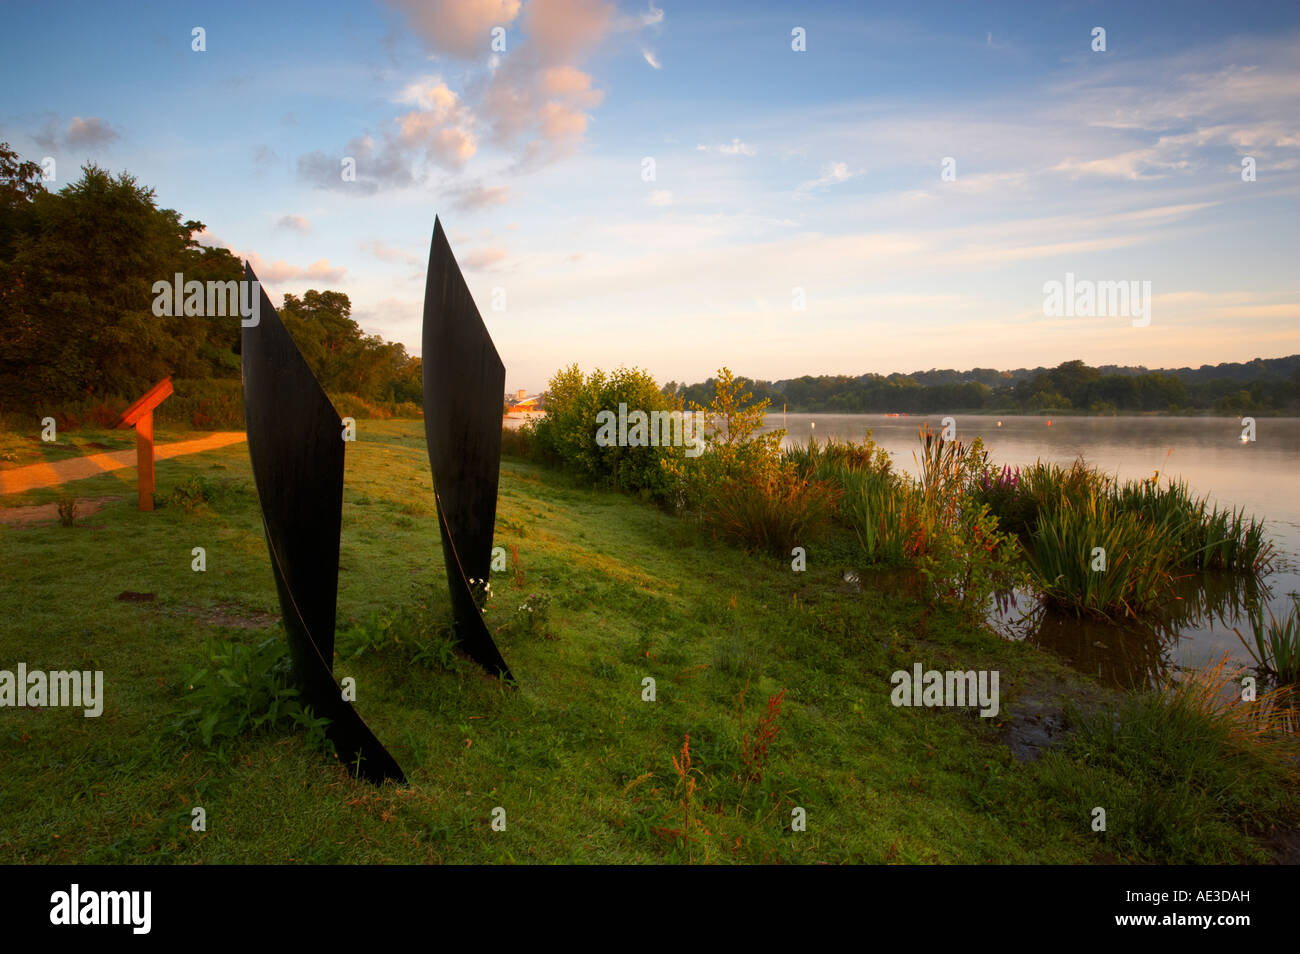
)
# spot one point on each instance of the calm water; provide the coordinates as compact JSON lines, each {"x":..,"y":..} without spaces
{"x":1208,"y":453}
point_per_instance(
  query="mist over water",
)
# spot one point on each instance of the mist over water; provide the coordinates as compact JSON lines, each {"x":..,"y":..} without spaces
{"x":1262,"y":477}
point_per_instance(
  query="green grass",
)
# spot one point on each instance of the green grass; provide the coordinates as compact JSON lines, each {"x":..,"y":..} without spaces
{"x":582,"y":766}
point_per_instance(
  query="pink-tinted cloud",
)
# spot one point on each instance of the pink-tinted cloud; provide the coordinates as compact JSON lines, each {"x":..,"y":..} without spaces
{"x":282,"y":271}
{"x":386,"y":253}
{"x":561,"y":31}
{"x":89,"y":132}
{"x":476,"y":196}
{"x":460,"y":28}
{"x":482,"y":258}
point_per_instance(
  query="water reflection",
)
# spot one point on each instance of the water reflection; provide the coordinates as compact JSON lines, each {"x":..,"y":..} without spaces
{"x":1193,"y":629}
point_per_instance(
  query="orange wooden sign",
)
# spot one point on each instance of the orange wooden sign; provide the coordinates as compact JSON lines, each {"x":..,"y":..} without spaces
{"x":140,"y":416}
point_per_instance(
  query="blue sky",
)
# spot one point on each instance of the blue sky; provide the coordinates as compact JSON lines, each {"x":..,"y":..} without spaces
{"x":779,"y":175}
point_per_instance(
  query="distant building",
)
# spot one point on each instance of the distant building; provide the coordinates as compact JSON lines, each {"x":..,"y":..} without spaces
{"x":522,"y":404}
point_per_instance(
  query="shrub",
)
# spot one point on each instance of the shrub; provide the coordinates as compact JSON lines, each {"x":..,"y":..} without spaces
{"x":203,"y":403}
{"x":518,"y":441}
{"x":771,"y":512}
{"x":197,"y":493}
{"x":355,"y":406}
{"x":567,"y":434}
{"x":68,"y":511}
{"x":245,"y":690}
{"x":733,"y":453}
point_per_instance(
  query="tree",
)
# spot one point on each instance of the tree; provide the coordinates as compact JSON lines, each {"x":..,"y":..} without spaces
{"x":78,"y":318}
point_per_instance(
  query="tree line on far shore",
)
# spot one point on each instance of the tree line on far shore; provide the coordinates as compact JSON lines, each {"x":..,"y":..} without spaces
{"x":1269,"y":385}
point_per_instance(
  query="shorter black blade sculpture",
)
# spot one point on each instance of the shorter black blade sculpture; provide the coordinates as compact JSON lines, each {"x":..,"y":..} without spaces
{"x":295,"y":441}
{"x":464,"y":384}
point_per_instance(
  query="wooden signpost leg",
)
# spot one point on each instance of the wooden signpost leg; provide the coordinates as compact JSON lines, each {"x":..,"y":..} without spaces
{"x":140,"y":416}
{"x":144,"y":460}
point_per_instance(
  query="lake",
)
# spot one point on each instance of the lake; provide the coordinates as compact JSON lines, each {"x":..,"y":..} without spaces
{"x":1207,"y":452}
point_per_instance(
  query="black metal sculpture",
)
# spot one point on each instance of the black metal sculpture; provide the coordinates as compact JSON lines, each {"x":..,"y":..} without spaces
{"x":295,"y":441}
{"x":464,"y":383}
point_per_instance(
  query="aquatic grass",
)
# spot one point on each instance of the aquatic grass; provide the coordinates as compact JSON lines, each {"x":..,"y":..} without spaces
{"x":1203,"y":536}
{"x":887,"y":517}
{"x":835,"y":458}
{"x":1148,"y":530}
{"x":1276,"y":648}
{"x":1135,"y":577}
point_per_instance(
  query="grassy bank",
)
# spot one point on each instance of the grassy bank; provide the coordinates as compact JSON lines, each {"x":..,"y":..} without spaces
{"x":585,"y":770}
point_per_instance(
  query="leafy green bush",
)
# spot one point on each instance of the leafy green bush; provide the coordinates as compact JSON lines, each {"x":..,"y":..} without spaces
{"x":567,"y":434}
{"x":732,"y":450}
{"x":198,"y":493}
{"x":418,"y":632}
{"x":244,"y":690}
{"x":354,"y":406}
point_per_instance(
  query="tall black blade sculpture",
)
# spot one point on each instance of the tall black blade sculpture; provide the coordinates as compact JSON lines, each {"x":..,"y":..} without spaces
{"x":464,"y":385}
{"x":295,"y":440}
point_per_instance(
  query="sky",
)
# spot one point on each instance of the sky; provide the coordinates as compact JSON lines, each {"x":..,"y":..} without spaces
{"x":780,"y":188}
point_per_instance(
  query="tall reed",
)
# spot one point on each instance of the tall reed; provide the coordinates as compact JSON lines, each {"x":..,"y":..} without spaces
{"x":1276,"y":648}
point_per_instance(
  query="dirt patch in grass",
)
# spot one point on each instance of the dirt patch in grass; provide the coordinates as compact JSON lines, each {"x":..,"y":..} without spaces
{"x":129,"y":596}
{"x":41,"y":513}
{"x":230,"y":615}
{"x":1035,"y":719}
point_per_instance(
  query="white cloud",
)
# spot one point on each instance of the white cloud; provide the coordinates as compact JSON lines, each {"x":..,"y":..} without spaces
{"x":733,"y":148}
{"x":651,"y":59}
{"x":834,"y":174}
